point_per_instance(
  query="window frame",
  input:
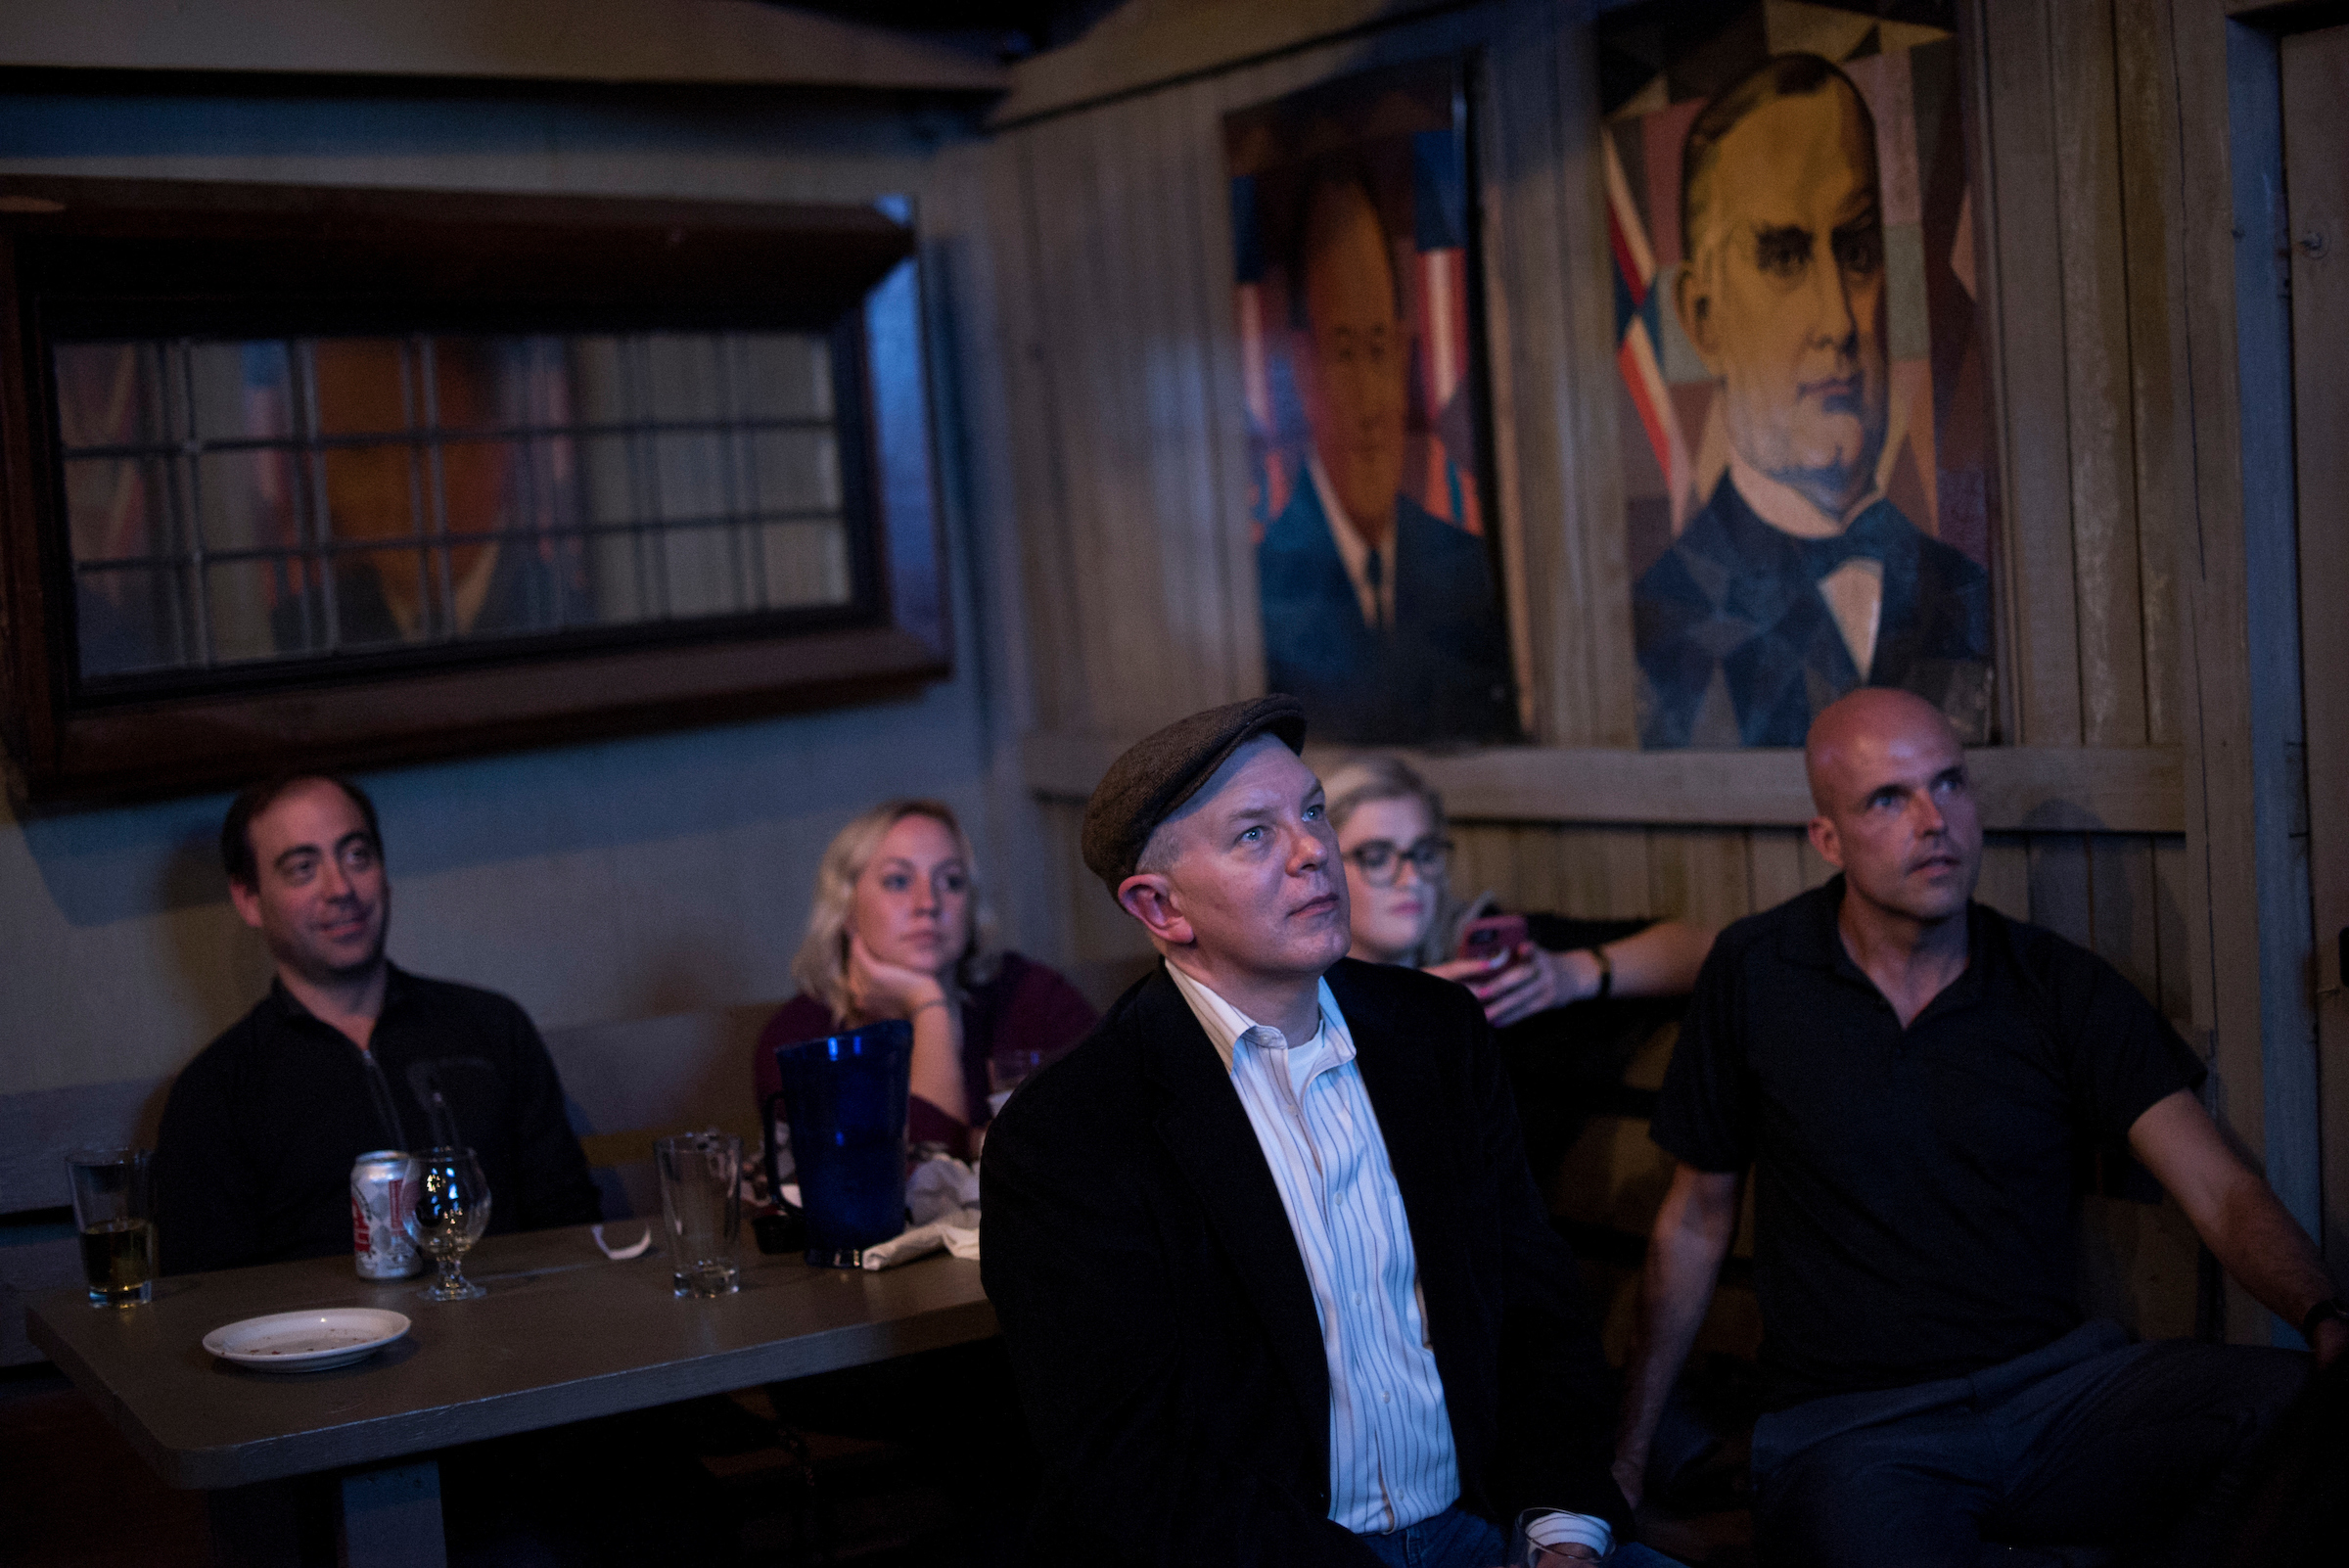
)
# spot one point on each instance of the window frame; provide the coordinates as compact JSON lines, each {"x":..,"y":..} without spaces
{"x":154,"y":258}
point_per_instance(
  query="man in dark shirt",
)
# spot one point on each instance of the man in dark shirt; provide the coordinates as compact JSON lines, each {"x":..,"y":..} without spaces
{"x":346,"y":1054}
{"x":1910,"y":1073}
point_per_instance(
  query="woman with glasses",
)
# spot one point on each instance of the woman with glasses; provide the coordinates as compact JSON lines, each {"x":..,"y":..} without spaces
{"x":1391,"y":834}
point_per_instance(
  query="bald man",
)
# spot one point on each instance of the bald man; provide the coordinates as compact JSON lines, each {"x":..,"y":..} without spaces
{"x":1379,"y":616}
{"x":1910,"y":1075}
{"x":1799,"y":580}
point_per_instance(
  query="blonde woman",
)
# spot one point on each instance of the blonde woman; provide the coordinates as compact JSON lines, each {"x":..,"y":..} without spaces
{"x":1391,"y":835}
{"x":898,"y":930}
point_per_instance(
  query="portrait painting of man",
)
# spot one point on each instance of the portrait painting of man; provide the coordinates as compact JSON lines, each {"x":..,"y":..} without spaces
{"x":1375,"y":572}
{"x":1794,"y":267}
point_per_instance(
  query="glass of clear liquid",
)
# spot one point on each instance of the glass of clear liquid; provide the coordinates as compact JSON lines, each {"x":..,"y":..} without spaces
{"x":113,"y":1208}
{"x":701,"y":1203}
{"x":452,"y":1209}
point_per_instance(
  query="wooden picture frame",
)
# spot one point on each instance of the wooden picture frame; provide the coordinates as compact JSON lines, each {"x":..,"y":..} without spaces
{"x":190,"y":261}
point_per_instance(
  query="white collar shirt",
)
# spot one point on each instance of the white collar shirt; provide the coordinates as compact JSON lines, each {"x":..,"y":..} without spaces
{"x":1854,"y":590}
{"x":1377,"y":608}
{"x":1391,"y":1461}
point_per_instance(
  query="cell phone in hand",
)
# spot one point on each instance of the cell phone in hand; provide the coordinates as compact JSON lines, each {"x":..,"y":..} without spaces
{"x":1495,"y":934}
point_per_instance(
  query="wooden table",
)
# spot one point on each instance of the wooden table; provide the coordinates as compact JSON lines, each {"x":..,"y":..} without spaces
{"x":564,"y":1335}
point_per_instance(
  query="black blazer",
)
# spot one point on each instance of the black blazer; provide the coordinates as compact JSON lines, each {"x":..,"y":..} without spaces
{"x":1164,"y":1337}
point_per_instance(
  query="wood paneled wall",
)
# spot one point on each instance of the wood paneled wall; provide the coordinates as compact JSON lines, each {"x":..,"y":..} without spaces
{"x":1113,"y":344}
{"x":1101,"y":365}
{"x":1100,"y":375}
{"x":2082,"y":178}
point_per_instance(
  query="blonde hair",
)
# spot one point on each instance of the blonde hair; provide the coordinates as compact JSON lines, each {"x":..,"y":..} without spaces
{"x":822,"y":966}
{"x":1369,"y":779}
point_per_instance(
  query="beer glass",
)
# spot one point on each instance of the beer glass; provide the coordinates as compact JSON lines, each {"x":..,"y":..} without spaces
{"x":452,"y":1209}
{"x":111,"y":1210}
{"x":700,"y":1201}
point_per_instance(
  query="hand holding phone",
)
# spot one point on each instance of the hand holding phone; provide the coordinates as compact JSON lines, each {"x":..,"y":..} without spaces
{"x":1487,"y":938}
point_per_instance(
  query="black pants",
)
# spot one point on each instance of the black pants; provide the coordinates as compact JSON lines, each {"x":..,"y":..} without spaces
{"x":2090,"y":1441}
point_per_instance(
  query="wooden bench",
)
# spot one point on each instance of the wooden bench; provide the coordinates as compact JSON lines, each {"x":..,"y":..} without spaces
{"x":627,"y":1083}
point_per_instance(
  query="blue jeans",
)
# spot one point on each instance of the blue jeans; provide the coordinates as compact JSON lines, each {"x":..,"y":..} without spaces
{"x":1453,"y":1539}
{"x":1458,"y":1538}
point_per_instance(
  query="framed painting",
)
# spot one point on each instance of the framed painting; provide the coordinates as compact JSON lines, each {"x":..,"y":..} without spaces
{"x":1800,"y":340}
{"x":295,"y":477}
{"x":1365,"y":384}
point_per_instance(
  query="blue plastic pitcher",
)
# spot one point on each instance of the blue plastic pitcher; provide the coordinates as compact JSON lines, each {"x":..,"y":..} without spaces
{"x":845,"y":1098}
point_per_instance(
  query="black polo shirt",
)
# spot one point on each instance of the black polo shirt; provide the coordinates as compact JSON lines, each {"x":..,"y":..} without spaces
{"x":253,"y":1163}
{"x":1914,"y":1189}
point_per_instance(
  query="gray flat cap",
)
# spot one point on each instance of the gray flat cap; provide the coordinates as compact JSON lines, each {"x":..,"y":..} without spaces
{"x":1151,"y":781}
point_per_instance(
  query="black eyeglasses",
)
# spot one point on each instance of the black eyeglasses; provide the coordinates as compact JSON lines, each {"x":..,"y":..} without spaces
{"x":1382,"y":861}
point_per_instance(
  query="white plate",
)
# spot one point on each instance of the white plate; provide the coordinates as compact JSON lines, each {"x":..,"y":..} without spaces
{"x":306,"y":1342}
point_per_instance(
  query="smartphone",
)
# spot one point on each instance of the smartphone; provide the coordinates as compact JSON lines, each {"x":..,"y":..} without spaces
{"x":1492,"y":935}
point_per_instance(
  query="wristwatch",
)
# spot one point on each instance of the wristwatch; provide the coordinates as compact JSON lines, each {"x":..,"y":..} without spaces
{"x":2334,"y":1308}
{"x":1606,"y":973}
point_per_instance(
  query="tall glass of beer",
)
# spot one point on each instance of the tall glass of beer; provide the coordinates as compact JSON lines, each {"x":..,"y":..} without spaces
{"x":112,"y":1207}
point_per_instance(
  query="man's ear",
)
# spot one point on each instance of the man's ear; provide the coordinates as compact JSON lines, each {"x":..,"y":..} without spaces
{"x":1826,"y":840}
{"x":1695,"y":307}
{"x":1150,"y":897}
{"x":248,"y":901}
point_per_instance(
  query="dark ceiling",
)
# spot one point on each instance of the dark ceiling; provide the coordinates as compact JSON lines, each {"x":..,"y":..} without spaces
{"x":1017,"y":28}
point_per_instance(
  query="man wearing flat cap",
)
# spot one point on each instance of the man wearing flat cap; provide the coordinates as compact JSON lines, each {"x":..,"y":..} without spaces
{"x":1276,"y":1284}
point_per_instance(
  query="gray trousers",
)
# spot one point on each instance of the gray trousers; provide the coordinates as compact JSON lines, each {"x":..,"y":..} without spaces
{"x":2087,"y":1442}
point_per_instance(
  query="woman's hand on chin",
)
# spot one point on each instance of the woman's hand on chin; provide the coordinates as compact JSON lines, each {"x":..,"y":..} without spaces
{"x":881,"y":989}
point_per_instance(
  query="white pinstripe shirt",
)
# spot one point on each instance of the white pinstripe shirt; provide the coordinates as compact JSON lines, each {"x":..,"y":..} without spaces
{"x":1390,"y":1458}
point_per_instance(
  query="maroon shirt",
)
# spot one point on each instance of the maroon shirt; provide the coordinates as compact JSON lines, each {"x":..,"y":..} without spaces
{"x":1025,"y":1007}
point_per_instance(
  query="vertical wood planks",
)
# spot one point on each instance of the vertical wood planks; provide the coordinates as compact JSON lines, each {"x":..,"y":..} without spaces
{"x":2109,"y":605}
{"x":2060,"y":899}
{"x":1776,"y":870}
{"x":2005,"y":884}
{"x":969,"y":267}
{"x":1224,"y":498}
{"x":1593,"y":501}
{"x":2174,"y":953}
{"x":1187,"y":308}
{"x":1036,"y":508}
{"x":1614,"y":862}
{"x":1520,"y":195}
{"x":1501,"y":372}
{"x":1484,"y":859}
{"x":2041,"y":654}
{"x":2147,"y":100}
{"x":1699,"y":875}
{"x":2121,"y":910}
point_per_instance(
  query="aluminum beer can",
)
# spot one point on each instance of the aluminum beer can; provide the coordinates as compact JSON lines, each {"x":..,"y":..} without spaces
{"x":383,"y":1195}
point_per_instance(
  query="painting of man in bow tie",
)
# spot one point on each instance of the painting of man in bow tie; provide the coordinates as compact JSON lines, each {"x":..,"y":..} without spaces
{"x":1797,"y":567}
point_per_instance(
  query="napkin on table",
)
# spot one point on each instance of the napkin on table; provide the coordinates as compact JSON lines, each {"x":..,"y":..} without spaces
{"x":957,"y":1231}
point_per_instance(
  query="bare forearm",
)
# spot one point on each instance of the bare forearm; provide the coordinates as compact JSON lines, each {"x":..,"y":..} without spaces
{"x":2238,"y":1216}
{"x":1675,"y":1289}
{"x":1660,"y":961}
{"x":2259,"y":1242}
{"x":1691,"y":1236}
{"x":937,"y":1073}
